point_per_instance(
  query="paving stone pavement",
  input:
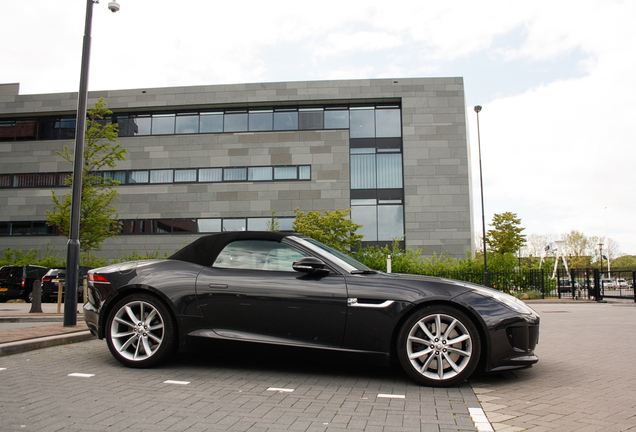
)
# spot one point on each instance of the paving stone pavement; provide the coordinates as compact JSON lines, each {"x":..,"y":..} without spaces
{"x":585,"y":379}
{"x":256,"y":390}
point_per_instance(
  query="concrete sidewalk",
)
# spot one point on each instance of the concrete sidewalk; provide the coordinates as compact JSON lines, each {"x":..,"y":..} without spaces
{"x":21,"y":331}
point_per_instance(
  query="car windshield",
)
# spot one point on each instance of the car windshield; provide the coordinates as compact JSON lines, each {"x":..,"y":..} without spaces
{"x":343,"y":260}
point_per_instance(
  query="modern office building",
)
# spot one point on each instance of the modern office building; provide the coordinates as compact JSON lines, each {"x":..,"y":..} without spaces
{"x":209,"y":158}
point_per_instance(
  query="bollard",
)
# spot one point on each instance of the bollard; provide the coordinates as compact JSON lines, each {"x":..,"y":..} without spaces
{"x":36,"y":303}
{"x":85,"y":283}
{"x":60,"y":287}
{"x":388,"y":264}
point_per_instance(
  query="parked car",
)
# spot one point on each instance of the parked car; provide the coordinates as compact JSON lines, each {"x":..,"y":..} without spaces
{"x":285,"y":289}
{"x":607,"y":284}
{"x":16,"y":282}
{"x":621,"y":283}
{"x":51,"y":282}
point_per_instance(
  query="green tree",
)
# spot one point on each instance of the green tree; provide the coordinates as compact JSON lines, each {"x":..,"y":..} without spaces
{"x":333,"y":228}
{"x":625,"y":262}
{"x":505,"y":237}
{"x":98,"y":217}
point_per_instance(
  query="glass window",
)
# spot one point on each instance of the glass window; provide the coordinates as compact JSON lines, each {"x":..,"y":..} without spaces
{"x":389,"y":171}
{"x":188,"y":175}
{"x":209,"y":225}
{"x":259,"y":173}
{"x":161,"y":226}
{"x":285,"y":173}
{"x":259,"y":224}
{"x":390,"y":222}
{"x":388,"y":124}
{"x":142,"y":125}
{"x":234,"y":225}
{"x":211,"y":174}
{"x":211,"y":122}
{"x":235,"y":122}
{"x":304,"y":172}
{"x":285,"y":224}
{"x":20,"y":228}
{"x":187,"y":124}
{"x":40,"y":228}
{"x":117,"y":176}
{"x":363,"y":172}
{"x":367,"y":217}
{"x":261,"y":120}
{"x":6,"y":180}
{"x":138,"y":177}
{"x":26,"y":130}
{"x":286,"y":120}
{"x":258,"y":255}
{"x":126,"y":126}
{"x":163,"y":124}
{"x":310,"y":118}
{"x":234,"y":174}
{"x":161,"y":176}
{"x":48,"y":131}
{"x":67,"y":128}
{"x":184,"y":225}
{"x":362,"y":123}
{"x":7,"y":130}
{"x":45,"y":179}
{"x":336,"y":119}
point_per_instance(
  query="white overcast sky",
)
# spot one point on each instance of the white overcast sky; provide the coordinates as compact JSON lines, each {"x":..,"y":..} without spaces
{"x":555,"y":78}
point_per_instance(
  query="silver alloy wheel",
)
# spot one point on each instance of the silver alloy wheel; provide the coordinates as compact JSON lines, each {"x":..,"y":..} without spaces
{"x":137,"y":330}
{"x":439,"y":347}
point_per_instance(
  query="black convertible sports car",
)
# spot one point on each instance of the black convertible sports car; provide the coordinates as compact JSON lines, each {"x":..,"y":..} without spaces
{"x":286,"y":289}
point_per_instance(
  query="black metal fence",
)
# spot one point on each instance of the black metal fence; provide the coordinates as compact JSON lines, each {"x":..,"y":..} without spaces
{"x":576,"y":284}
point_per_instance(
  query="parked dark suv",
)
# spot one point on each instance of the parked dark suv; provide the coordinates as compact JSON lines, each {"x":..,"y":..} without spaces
{"x":51,"y":281}
{"x":16,"y":282}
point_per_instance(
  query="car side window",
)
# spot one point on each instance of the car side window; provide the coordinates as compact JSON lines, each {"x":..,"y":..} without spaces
{"x":258,"y":255}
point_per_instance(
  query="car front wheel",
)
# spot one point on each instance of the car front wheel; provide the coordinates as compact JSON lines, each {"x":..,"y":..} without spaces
{"x":140,"y":331}
{"x":438,"y":346}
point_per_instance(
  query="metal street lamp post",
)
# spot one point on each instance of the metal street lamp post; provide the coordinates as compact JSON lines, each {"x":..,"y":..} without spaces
{"x":481,"y":181}
{"x":73,"y":245}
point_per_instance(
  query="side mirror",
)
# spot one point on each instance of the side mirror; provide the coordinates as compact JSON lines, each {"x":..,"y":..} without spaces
{"x":309,"y":265}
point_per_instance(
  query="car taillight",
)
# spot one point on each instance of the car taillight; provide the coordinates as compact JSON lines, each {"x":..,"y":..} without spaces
{"x":23,"y":282}
{"x":46,"y":279}
{"x":97,"y":278}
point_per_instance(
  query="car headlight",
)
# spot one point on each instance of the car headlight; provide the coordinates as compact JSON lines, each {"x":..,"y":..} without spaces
{"x":507,"y":300}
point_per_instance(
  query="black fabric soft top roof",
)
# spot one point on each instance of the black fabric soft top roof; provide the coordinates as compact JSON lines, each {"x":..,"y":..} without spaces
{"x":205,"y":249}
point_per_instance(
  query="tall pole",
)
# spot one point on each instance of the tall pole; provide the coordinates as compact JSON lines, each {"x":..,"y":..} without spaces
{"x":600,"y":245}
{"x":73,"y":249}
{"x":481,"y":181}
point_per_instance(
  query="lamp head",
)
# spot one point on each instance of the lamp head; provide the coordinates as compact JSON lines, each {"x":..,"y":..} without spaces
{"x":477,"y":108}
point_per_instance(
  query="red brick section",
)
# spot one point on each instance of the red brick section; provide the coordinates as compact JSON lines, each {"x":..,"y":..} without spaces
{"x":25,"y":333}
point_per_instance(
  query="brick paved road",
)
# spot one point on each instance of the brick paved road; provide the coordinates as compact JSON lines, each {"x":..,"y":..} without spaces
{"x":235,"y":393}
{"x":585,"y":379}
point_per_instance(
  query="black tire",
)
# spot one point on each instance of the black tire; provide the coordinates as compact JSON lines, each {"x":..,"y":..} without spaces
{"x":140,"y":331}
{"x":437,"y":336}
{"x":29,"y":297}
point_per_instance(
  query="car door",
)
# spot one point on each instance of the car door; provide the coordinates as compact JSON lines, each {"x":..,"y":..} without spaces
{"x":251,"y":292}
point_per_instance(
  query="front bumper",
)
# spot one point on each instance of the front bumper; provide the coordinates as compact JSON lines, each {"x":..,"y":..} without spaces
{"x":511,"y":337}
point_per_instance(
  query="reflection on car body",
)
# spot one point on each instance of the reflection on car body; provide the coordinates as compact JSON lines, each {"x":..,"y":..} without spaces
{"x":286,"y":289}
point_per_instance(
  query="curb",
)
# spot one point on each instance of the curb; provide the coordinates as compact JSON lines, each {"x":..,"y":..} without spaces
{"x":18,"y":347}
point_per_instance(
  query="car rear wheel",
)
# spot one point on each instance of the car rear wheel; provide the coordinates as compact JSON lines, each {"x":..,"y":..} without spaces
{"x":140,"y":331}
{"x":438,"y":346}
